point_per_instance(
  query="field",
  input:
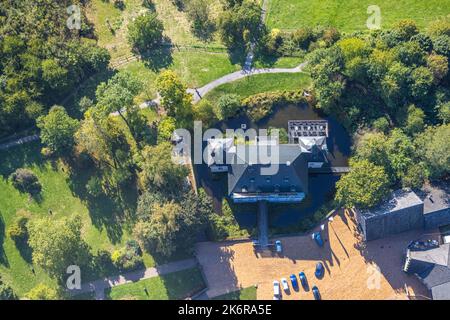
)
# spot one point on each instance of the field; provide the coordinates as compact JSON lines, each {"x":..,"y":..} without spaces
{"x":173,"y":286}
{"x":261,"y":83}
{"x":351,"y":15}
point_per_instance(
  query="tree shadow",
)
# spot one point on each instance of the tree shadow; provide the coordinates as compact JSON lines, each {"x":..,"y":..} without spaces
{"x":3,"y":257}
{"x":237,"y":55}
{"x":105,"y":213}
{"x":24,"y":250}
{"x":158,"y":58}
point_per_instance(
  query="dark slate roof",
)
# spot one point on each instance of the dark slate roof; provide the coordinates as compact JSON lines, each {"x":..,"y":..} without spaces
{"x":441,"y":292}
{"x":433,"y":268}
{"x":245,"y":170}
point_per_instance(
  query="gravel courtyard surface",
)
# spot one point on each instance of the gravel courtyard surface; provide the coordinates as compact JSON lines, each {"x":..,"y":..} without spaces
{"x":350,"y":265}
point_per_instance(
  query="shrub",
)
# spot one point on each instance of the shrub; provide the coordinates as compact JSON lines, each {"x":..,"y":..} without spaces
{"x":303,"y":37}
{"x":42,"y":292}
{"x":26,"y":181}
{"x":103,"y":263}
{"x":227,"y":106}
{"x":127,"y":258}
{"x":381,"y":124}
{"x":261,"y":105}
{"x":18,"y":230}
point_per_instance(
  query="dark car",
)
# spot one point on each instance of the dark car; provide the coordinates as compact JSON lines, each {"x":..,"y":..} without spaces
{"x":316,"y":293}
{"x":294,"y":281}
{"x":303,"y":279}
{"x":319,"y":270}
{"x":318,"y":239}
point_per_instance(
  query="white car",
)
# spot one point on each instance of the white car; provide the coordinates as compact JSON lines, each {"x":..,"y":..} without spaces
{"x":285,"y":284}
{"x":276,"y":289}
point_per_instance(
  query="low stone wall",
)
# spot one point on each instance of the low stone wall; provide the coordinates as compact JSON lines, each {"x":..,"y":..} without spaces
{"x":378,"y":226}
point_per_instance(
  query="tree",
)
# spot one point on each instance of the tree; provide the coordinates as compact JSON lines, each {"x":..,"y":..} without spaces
{"x":227,"y":106}
{"x":326,"y":71}
{"x":444,"y":112}
{"x":406,"y":29}
{"x":415,"y":120}
{"x":145,"y":32}
{"x":400,"y":152}
{"x":241,"y":25}
{"x":42,"y":292}
{"x":58,"y":244}
{"x":415,"y":176}
{"x":204,"y":111}
{"x":432,"y":146}
{"x":168,"y":226}
{"x":439,"y":67}
{"x":58,"y":130}
{"x":422,"y":81}
{"x":158,"y":233}
{"x":166,"y":128}
{"x":174,"y":98}
{"x":198,"y":12}
{"x":117,"y":95}
{"x":159,"y":172}
{"x":441,"y":45}
{"x":26,"y":181}
{"x":365,"y":186}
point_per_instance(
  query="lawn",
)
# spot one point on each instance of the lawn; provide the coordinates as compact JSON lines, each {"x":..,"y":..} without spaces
{"x":261,"y":83}
{"x":101,"y":226}
{"x":351,"y":15}
{"x":173,"y":286}
{"x":243,"y":294}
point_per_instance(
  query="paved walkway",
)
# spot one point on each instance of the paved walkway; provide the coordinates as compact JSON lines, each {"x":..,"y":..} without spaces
{"x":100,"y":285}
{"x":199,"y":93}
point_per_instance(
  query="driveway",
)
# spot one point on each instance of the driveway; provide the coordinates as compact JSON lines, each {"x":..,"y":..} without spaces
{"x":353,"y":269}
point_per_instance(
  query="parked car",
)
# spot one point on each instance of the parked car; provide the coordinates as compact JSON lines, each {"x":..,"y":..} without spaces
{"x":303,"y":279}
{"x":319,"y":270}
{"x":276,"y":289}
{"x":284,"y":284}
{"x":294,"y":282}
{"x":318,"y":239}
{"x":278,"y":246}
{"x":316,"y":293}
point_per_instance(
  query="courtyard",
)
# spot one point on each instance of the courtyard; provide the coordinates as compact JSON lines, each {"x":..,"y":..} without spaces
{"x":353,"y":269}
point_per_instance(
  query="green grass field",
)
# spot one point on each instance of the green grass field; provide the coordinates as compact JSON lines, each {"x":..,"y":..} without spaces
{"x":261,"y":83}
{"x":243,"y":294}
{"x":173,"y":286}
{"x":351,"y":15}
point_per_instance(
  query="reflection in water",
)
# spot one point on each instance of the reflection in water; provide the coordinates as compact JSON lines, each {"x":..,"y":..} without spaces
{"x":321,"y":187}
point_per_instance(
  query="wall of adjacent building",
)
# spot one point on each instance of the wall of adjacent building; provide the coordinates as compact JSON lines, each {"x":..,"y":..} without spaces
{"x":378,"y":226}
